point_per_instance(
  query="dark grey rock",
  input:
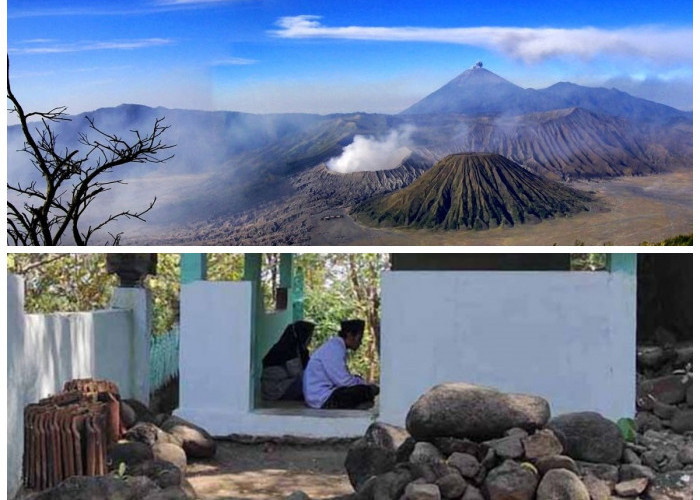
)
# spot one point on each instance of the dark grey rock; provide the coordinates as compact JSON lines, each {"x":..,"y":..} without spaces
{"x":669,"y":389}
{"x":403,"y":453}
{"x":143,"y":413}
{"x":510,"y":481}
{"x":651,"y":357}
{"x":467,"y":465}
{"x":682,"y":421}
{"x":451,"y":485}
{"x":561,"y":484}
{"x":550,"y":462}
{"x":472,"y":493}
{"x":169,"y":493}
{"x":366,"y":459}
{"x":589,"y":436}
{"x":635,"y":471}
{"x":128,"y":453}
{"x":664,"y":411}
{"x":541,"y":444}
{"x":685,"y":455}
{"x":689,"y":395}
{"x":490,"y":460}
{"x":645,"y":421}
{"x":507,"y":447}
{"x":469,"y":411}
{"x":425,"y":452}
{"x":196,"y":442}
{"x":172,"y":453}
{"x":390,"y":485}
{"x":606,"y":472}
{"x":630,"y":457}
{"x":298,"y":495}
{"x":450,"y":445}
{"x":162,"y":473}
{"x":127,"y":415}
{"x":422,"y":491}
{"x":109,"y":487}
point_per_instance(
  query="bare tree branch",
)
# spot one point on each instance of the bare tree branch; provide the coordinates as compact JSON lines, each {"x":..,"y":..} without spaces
{"x":73,"y":177}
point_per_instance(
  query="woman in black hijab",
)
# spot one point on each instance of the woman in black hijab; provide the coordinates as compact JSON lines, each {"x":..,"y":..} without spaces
{"x":284,"y":364}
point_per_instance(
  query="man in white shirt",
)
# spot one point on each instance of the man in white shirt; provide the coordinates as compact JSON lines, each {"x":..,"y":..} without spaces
{"x":327,"y":381}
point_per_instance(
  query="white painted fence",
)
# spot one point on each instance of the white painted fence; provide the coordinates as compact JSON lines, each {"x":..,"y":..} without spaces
{"x":46,"y":350}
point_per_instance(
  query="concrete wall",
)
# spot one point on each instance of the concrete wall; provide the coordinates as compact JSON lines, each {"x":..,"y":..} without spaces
{"x":216,"y":363}
{"x":44,"y":351}
{"x":566,"y":336}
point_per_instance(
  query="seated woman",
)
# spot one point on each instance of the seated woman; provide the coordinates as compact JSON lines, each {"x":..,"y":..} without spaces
{"x":327,"y":380}
{"x":284,"y":364}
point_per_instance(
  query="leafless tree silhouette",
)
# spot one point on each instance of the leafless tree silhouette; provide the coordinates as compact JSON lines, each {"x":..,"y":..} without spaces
{"x":72,"y":178}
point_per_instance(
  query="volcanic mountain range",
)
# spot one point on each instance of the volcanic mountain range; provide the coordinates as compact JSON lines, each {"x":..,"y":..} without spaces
{"x":226,"y":163}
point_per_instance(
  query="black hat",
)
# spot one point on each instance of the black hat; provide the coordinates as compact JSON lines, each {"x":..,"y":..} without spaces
{"x":352,"y":325}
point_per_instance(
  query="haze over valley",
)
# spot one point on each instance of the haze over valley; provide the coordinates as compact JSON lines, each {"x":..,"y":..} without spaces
{"x":241,"y":178}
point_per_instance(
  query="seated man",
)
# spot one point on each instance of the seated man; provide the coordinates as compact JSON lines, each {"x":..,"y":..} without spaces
{"x":327,"y":381}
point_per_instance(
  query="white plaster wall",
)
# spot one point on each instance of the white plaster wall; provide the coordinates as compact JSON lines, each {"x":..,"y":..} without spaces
{"x":566,"y":336}
{"x":44,"y":351}
{"x":216,"y":326}
{"x":215,"y":346}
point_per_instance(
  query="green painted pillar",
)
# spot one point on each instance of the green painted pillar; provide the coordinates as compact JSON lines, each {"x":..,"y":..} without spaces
{"x":193,"y":267}
{"x":297,"y":294}
{"x":252,"y":264}
{"x":285,"y":270}
{"x":623,"y":262}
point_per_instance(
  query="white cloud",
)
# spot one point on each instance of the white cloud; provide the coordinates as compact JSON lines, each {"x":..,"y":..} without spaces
{"x":90,"y":46}
{"x":234,"y":61}
{"x":527,"y":44}
{"x":369,"y":153}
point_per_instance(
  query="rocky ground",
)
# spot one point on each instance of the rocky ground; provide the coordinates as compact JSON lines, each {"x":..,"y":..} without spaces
{"x":461,"y":442}
{"x":649,"y":208}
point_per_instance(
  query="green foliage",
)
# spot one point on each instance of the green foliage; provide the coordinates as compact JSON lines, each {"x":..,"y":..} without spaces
{"x":63,"y":282}
{"x":679,"y":240}
{"x":589,"y":261}
{"x":628,"y":429}
{"x":344,"y":286}
{"x":337,"y":287}
{"x":121,"y":470}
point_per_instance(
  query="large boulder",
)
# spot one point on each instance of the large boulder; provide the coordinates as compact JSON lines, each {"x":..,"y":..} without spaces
{"x":589,"y":436}
{"x":511,"y":481}
{"x":470,"y":411}
{"x":196,"y":441}
{"x":170,"y":453}
{"x":150,"y":434}
{"x":562,"y":484}
{"x":164,"y":474}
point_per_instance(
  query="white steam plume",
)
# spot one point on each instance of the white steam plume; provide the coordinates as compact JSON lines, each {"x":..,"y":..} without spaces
{"x":368,"y":153}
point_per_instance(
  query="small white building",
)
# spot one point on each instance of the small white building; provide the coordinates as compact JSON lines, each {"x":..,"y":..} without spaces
{"x":516,"y":322}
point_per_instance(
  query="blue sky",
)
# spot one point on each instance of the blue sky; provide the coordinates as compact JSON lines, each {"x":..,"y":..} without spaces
{"x":333,"y":56}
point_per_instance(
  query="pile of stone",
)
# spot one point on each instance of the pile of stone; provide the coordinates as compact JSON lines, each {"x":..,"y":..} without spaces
{"x":469,"y":442}
{"x":664,"y":420}
{"x":149,"y":463}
